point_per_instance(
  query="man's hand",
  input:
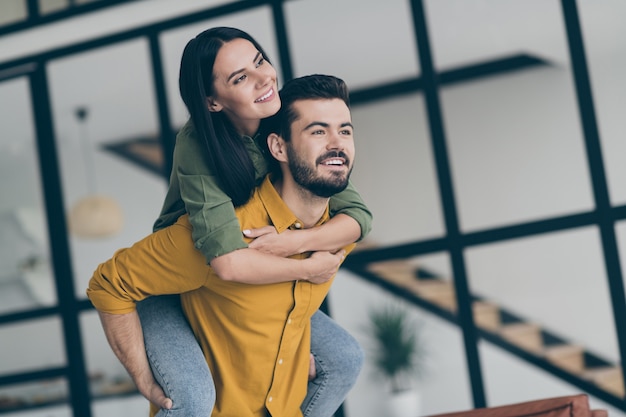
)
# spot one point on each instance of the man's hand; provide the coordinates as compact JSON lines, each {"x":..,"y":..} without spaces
{"x":324,"y":265}
{"x":124,"y":334}
{"x":312,"y":371}
{"x":149,"y":388}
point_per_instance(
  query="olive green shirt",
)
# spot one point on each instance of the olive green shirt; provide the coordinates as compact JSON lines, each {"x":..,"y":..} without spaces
{"x":194,"y":189}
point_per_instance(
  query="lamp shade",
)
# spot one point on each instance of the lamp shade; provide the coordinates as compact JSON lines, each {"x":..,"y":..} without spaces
{"x":96,"y":216}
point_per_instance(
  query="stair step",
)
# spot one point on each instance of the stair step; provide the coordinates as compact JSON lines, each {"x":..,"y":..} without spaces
{"x":525,"y":335}
{"x":486,"y":315}
{"x":608,"y":378}
{"x":437,"y":291}
{"x":568,"y":357}
{"x":399,"y":272}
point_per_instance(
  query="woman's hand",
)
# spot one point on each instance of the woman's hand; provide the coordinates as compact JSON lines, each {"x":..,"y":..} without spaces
{"x":267,"y":240}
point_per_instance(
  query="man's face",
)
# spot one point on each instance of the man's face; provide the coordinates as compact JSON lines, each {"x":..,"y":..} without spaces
{"x":321,"y":149}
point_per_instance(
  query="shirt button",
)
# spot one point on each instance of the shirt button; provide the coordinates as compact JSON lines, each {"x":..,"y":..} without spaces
{"x":297,"y":225}
{"x":280,"y":361}
{"x":288,"y":321}
{"x":269,"y":400}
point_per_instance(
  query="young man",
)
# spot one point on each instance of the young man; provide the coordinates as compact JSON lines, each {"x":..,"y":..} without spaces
{"x":255,"y":338}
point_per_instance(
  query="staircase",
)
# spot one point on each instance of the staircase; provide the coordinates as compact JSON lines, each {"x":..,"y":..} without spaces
{"x":521,"y":337}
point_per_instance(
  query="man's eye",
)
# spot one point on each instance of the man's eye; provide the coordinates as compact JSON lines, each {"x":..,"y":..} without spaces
{"x":318,"y":132}
{"x":346,"y":132}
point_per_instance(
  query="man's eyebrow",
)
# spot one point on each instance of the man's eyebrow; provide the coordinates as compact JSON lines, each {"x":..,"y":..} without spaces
{"x":315,"y":123}
{"x":234,"y":73}
{"x":324,"y":124}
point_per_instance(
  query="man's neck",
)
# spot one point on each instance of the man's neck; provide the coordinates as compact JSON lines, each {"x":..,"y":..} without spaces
{"x":308,"y":207}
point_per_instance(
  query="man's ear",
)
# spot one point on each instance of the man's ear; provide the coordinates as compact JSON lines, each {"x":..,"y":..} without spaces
{"x":213,"y":105}
{"x":276,"y":146}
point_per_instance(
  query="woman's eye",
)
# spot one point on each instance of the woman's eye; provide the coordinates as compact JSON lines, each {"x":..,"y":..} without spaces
{"x":240,"y":79}
{"x":260,"y":62}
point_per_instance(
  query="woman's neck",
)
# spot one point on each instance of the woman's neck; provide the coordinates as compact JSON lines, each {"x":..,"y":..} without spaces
{"x":248,"y":129}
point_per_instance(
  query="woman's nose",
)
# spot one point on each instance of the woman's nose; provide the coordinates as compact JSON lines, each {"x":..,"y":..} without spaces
{"x":266,"y":75}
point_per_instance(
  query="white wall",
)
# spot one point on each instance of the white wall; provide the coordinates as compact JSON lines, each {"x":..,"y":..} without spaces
{"x":514,"y":140}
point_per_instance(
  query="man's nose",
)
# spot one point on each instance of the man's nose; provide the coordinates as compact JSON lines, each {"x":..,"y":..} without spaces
{"x":335,"y":141}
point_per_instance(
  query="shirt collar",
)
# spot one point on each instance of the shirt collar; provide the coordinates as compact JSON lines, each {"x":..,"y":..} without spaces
{"x":281,"y":216}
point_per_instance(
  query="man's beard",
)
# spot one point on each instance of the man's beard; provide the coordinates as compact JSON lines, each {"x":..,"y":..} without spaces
{"x":306,"y":177}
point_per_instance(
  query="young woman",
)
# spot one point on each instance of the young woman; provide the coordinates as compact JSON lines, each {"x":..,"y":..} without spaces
{"x":228,"y":86}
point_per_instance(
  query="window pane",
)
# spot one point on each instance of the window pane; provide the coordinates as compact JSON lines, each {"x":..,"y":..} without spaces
{"x":445,"y":368}
{"x":604,"y":34}
{"x":26,"y":279}
{"x":51,"y":6}
{"x":22,"y":342}
{"x":515,"y":140}
{"x":107,"y":138}
{"x":365,"y":43}
{"x":394,"y":169}
{"x":33,"y":395}
{"x":553,"y":292}
{"x":12,"y":11}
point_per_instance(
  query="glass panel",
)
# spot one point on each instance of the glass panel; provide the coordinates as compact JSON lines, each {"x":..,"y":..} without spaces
{"x":394,"y":169}
{"x":604,"y":35}
{"x":510,"y":380}
{"x":26,"y":280}
{"x":493,"y":29}
{"x":257,"y":22}
{"x":22,"y":342}
{"x":35,"y":395}
{"x":12,"y":11}
{"x":135,"y":405}
{"x":443,"y":359}
{"x":502,"y":371}
{"x":540,"y":286}
{"x":51,"y":6}
{"x":515,"y":143}
{"x":620,"y":232}
{"x":365,"y":43}
{"x":107,"y":134}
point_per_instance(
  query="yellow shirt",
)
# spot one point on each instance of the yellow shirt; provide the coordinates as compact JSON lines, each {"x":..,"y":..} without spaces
{"x":256,"y":338}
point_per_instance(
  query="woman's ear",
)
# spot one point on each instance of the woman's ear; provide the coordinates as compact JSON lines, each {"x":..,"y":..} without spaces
{"x":276,"y":146}
{"x":213,"y":105}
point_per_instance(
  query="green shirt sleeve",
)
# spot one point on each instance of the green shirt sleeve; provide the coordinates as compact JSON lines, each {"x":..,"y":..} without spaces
{"x":350,"y":202}
{"x":194,"y":189}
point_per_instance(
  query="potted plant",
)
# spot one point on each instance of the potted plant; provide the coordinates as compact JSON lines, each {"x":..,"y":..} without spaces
{"x":397,"y":353}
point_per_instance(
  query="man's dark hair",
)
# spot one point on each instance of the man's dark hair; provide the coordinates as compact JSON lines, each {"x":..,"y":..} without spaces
{"x":309,"y":87}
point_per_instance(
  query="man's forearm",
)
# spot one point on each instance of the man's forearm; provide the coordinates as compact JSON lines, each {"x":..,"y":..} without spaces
{"x":124,"y":334}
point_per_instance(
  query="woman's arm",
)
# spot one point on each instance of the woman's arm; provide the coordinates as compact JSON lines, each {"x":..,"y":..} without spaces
{"x":338,"y":232}
{"x":250,"y":266}
{"x":351,"y":222}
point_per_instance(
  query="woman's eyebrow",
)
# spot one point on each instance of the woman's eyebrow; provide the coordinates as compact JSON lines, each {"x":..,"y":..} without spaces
{"x":234,"y":73}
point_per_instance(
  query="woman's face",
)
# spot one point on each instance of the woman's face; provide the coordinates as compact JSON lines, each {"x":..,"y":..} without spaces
{"x":244,"y":86}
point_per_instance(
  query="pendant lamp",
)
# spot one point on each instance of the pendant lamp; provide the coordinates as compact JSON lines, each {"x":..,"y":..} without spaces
{"x":95,"y":215}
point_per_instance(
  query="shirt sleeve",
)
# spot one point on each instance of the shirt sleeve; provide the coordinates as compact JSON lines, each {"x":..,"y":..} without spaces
{"x":215,"y":227}
{"x":162,"y":263}
{"x":349,"y":202}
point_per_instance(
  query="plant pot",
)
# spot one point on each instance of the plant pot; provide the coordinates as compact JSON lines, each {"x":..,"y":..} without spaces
{"x":404,"y":403}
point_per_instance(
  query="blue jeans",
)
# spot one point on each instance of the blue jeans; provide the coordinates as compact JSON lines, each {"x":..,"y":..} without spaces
{"x":179,"y":366}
